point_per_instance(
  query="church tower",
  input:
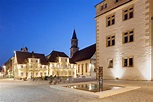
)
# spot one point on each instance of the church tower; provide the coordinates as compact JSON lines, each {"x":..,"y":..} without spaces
{"x":74,"y":44}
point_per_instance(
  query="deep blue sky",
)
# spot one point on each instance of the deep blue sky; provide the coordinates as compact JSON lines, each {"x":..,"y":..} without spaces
{"x":45,"y":25}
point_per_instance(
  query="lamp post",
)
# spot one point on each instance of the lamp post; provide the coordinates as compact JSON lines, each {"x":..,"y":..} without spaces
{"x":100,"y":78}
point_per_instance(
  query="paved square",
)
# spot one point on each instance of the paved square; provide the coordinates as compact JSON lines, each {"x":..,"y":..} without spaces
{"x":40,"y":91}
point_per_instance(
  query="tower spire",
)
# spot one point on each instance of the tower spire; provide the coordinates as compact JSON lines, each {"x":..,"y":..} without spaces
{"x":74,"y":35}
{"x":74,"y":44}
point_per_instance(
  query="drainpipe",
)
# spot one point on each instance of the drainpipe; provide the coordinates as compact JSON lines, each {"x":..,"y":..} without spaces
{"x":152,"y":48}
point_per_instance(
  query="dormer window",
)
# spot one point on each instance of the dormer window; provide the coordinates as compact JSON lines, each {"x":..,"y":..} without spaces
{"x":103,"y":6}
{"x":117,"y":1}
{"x":106,"y":5}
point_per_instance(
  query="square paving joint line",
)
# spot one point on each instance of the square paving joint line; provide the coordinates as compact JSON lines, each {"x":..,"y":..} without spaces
{"x":97,"y":94}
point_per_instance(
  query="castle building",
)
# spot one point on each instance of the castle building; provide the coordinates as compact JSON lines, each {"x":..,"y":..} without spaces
{"x":124,"y":39}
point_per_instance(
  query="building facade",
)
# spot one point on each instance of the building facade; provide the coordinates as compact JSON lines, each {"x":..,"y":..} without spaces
{"x":60,"y":64}
{"x":86,"y":61}
{"x":124,"y":39}
{"x":29,"y":65}
{"x":85,"y":58}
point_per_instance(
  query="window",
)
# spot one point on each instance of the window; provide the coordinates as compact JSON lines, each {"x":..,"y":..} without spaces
{"x":78,"y":68}
{"x":110,"y":63}
{"x":110,"y":20}
{"x":82,"y":69}
{"x":117,"y":1}
{"x":128,"y":13}
{"x":106,"y":5}
{"x":110,"y":40}
{"x":26,"y":73}
{"x":69,"y":73}
{"x":128,"y":62}
{"x":128,"y":36}
{"x":103,"y":6}
{"x":86,"y":67}
{"x":94,"y":67}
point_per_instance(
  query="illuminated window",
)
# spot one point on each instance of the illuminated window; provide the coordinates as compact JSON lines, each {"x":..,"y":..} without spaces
{"x":26,"y":73}
{"x":128,"y":13}
{"x":41,"y":74}
{"x":110,"y":40}
{"x":128,"y":36}
{"x":110,"y":20}
{"x":69,"y":72}
{"x":110,"y":63}
{"x":128,"y":62}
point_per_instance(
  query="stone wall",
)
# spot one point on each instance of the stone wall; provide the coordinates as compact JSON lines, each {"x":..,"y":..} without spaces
{"x":140,"y":49}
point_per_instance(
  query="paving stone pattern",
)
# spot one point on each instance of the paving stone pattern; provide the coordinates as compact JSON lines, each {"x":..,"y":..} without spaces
{"x":40,"y":91}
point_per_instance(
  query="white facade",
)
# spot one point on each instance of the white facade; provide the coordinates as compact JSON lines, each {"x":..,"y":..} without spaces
{"x":32,"y":68}
{"x":87,"y":67}
{"x":62,"y":67}
{"x":139,"y":49}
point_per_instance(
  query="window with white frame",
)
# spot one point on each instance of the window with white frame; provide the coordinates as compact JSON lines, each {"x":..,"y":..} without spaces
{"x":128,"y":62}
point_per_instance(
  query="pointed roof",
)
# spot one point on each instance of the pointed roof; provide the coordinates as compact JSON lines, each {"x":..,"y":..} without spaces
{"x":84,"y":54}
{"x":52,"y":57}
{"x":74,"y":35}
{"x":54,"y":54}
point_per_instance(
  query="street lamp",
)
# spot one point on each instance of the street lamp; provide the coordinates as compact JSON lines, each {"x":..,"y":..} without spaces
{"x":100,"y":78}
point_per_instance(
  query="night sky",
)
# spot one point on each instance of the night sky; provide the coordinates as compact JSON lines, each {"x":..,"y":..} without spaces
{"x":45,"y":25}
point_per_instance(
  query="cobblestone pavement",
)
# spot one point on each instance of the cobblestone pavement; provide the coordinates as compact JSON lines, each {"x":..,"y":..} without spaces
{"x":40,"y":91}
